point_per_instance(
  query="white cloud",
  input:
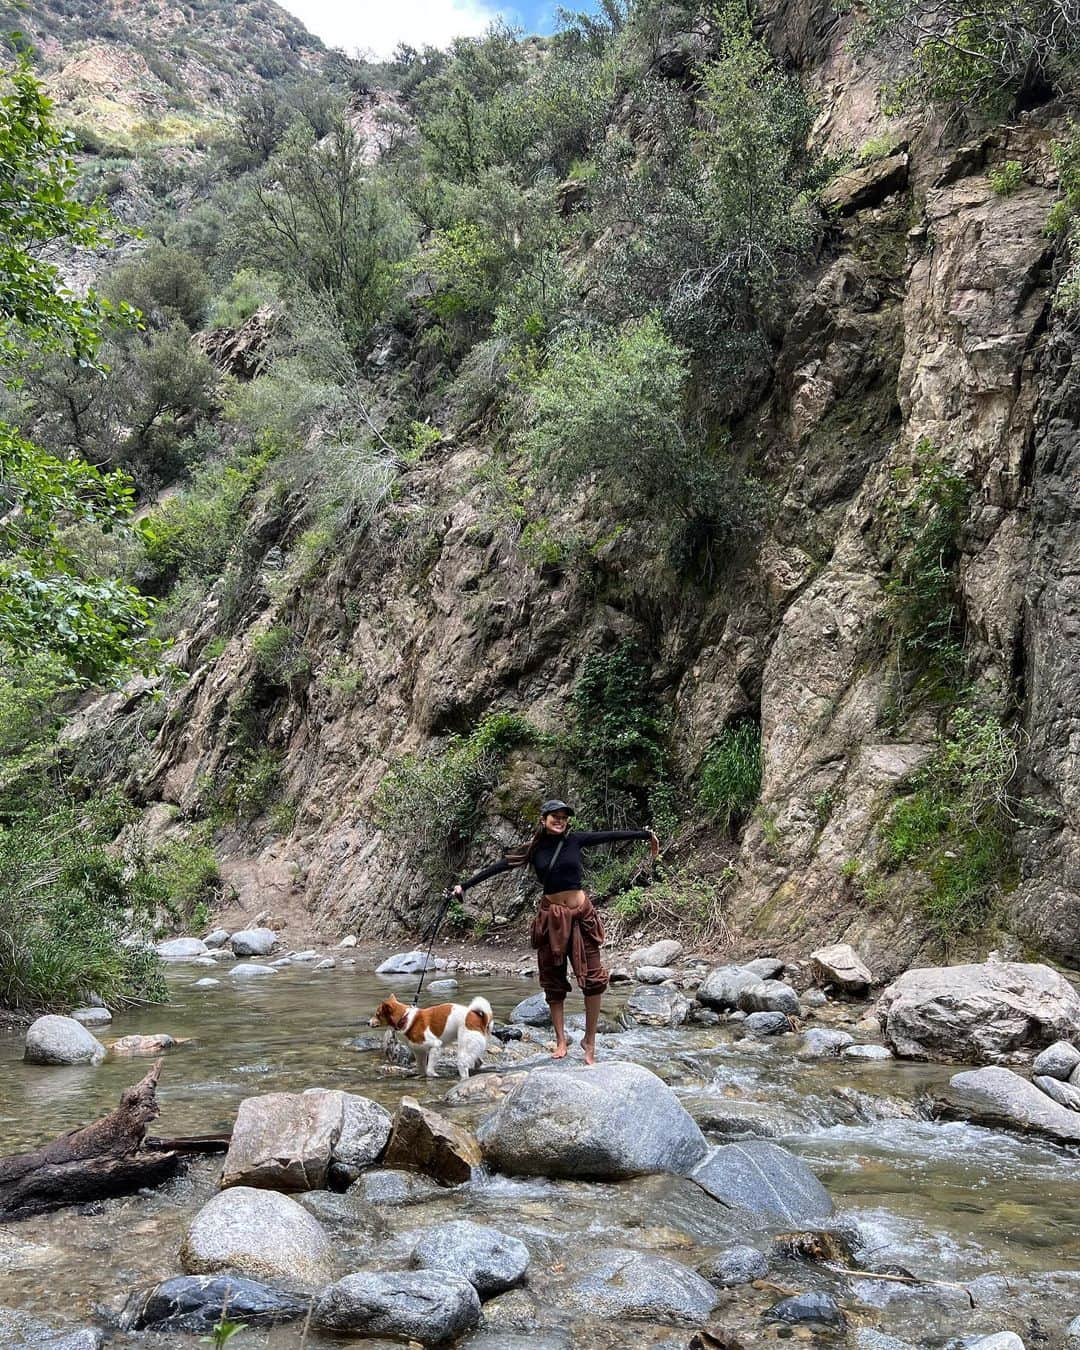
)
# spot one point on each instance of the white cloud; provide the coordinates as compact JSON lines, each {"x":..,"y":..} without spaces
{"x":377,"y":26}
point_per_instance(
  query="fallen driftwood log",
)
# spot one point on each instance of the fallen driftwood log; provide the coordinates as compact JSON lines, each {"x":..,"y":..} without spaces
{"x":110,"y":1156}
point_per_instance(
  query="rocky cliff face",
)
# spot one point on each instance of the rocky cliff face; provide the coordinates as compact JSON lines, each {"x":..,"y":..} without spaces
{"x":928,"y":319}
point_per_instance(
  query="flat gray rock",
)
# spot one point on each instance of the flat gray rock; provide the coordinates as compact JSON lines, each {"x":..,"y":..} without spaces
{"x":491,"y":1261}
{"x":61,"y":1040}
{"x":769,"y":996}
{"x":654,"y":974}
{"x":92,"y":1017}
{"x":720,"y":989}
{"x":867,"y":1052}
{"x":253,"y":942}
{"x":1065,"y":1094}
{"x":997,"y":1096}
{"x":658,"y":1005}
{"x":820,"y":1041}
{"x":180,"y":949}
{"x":433,"y":1307}
{"x":660,"y":953}
{"x":531,"y":1012}
{"x":446,"y":986}
{"x":395,"y":1186}
{"x":619,"y":1282}
{"x":1060,"y":1060}
{"x":765,"y":1180}
{"x":410,"y":963}
{"x":250,"y":970}
{"x":765,"y":967}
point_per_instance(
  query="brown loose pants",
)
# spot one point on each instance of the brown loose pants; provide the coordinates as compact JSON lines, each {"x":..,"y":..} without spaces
{"x":559,"y":935}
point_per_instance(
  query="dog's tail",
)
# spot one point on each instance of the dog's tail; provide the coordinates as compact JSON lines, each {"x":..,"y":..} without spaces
{"x":482,"y":1008}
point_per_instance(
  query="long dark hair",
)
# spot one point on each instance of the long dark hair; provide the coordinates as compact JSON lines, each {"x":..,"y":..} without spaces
{"x":522,"y":854}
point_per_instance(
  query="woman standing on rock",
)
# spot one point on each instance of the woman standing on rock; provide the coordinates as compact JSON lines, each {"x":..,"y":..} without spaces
{"x":567,"y":925}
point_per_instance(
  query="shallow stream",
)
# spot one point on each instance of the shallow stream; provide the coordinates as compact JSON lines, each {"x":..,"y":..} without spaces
{"x":994,"y":1217}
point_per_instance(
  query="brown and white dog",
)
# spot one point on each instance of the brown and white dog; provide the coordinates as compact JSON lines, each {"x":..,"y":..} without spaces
{"x":427,"y":1030}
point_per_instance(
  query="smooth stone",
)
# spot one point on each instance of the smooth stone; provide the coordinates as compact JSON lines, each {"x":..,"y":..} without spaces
{"x":841,"y":967}
{"x":999,"y":1340}
{"x":867,"y":1052}
{"x":429,"y":1143}
{"x":660,"y":953}
{"x":446,"y":986}
{"x":92,"y":1017}
{"x":619,"y":1282}
{"x":253,"y":942}
{"x":348,"y":941}
{"x":769,"y":996}
{"x":1062,"y":1093}
{"x":813,"y":998}
{"x":531,"y":1012}
{"x":309,"y":955}
{"x":217,"y":938}
{"x":281,"y":962}
{"x":765,"y":1180}
{"x":251,"y":971}
{"x":362,"y":1138}
{"x":737,"y":1265}
{"x":410,"y":963}
{"x":765,"y":967}
{"x":260,"y":1234}
{"x":61,"y":1040}
{"x":432,"y":1307}
{"x":654,"y":974}
{"x":206,"y":983}
{"x":142,"y":1045}
{"x":819,"y":1041}
{"x":656,"y":1005}
{"x":812,"y":1308}
{"x":997,"y":1096}
{"x":721,"y":988}
{"x":767,"y":1023}
{"x":327,"y":963}
{"x":180,"y":949}
{"x":1072,"y":1334}
{"x":204,"y":961}
{"x":491,"y":1261}
{"x":194,"y":1303}
{"x":1059,"y":1060}
{"x":395,"y":1186}
{"x":604,"y":1122}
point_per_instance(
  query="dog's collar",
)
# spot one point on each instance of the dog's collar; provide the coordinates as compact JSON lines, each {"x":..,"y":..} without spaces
{"x":404,"y":1020}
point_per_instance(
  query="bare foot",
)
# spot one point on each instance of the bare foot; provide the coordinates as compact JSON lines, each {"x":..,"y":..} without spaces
{"x":589,"y":1052}
{"x":559,"y":1052}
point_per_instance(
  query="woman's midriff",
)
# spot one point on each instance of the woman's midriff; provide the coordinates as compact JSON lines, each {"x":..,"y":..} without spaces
{"x":569,"y":899}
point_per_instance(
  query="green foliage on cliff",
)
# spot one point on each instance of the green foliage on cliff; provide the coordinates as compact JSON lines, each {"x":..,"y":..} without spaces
{"x":1065,"y":216}
{"x":729,"y":780}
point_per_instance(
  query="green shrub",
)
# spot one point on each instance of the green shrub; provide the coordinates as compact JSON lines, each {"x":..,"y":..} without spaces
{"x":279,"y":655}
{"x":164,"y":283}
{"x":1006,"y":180}
{"x":247,"y":789}
{"x":187,"y":872}
{"x":247,"y":292}
{"x":730,"y":776}
{"x":1065,"y":216}
{"x":678,"y":900}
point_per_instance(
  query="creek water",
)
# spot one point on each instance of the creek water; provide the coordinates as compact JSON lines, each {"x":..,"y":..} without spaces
{"x":993,"y":1217}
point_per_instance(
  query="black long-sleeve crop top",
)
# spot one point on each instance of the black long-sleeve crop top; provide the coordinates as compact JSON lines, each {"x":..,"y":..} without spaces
{"x":566,"y":874}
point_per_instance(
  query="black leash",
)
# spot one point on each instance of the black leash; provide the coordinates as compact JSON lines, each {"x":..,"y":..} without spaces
{"x":432,"y":934}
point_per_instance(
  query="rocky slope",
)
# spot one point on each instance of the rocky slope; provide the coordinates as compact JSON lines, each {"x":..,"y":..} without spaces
{"x":928,"y":319}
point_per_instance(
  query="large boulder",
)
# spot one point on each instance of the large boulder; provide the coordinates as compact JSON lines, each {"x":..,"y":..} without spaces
{"x":1065,"y":1094}
{"x":531,"y":1012}
{"x":765,"y":967}
{"x":491,"y":1261}
{"x":616,"y":1282}
{"x":769,"y":996}
{"x":429,"y":1143}
{"x":363,"y":1137}
{"x":410,"y":963}
{"x":1060,"y":1060}
{"x":721,"y":988}
{"x":997,"y":1096}
{"x":432,"y":1307}
{"x":978,"y":1012}
{"x":253,"y":942}
{"x":181,"y":949}
{"x":61,"y":1040}
{"x":840,"y":967}
{"x":194,"y":1304}
{"x":765,"y":1180}
{"x":260,"y":1234}
{"x":656,"y":1005}
{"x":820,"y":1041}
{"x":605,"y":1122}
{"x":660,"y":953}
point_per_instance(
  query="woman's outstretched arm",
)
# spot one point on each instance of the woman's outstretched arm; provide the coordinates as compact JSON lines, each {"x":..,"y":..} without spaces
{"x":491,"y":870}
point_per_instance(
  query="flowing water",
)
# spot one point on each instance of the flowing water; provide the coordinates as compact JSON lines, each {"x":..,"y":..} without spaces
{"x":994,"y":1218}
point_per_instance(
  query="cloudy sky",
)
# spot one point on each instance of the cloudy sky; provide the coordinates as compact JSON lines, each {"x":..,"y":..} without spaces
{"x":377,"y":26}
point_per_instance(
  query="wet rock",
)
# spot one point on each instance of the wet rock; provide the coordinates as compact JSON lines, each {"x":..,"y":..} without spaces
{"x":429,"y":1143}
{"x":306,"y":957}
{"x":654,"y":974}
{"x":1062,"y":1093}
{"x":867,"y":1052}
{"x":194,"y":1303}
{"x":327,"y":963}
{"x":394,"y":1186}
{"x":1059,"y":1060}
{"x":1072,"y":1335}
{"x":813,"y":998}
{"x":253,"y":942}
{"x":513,"y":1311}
{"x":813,"y":1308}
{"x":207,"y":962}
{"x":251,"y":971}
{"x":180,"y":949}
{"x":765,"y":967}
{"x":217,"y":938}
{"x":840,"y":967}
{"x":604,"y":1122}
{"x":532,"y":1012}
{"x":618,"y":1282}
{"x":767,"y":1023}
{"x":130,"y":1046}
{"x":721,"y":988}
{"x":20,"y":1331}
{"x":282,"y":962}
{"x":769,"y":996}
{"x":206,"y":983}
{"x":260,"y":1234}
{"x":997,"y":1096}
{"x":283,"y":1140}
{"x":704,"y":1017}
{"x":363,"y":1137}
{"x":978,"y":1012}
{"x":431,"y":1307}
{"x":654,"y":1005}
{"x":741,"y":1118}
{"x":98,"y":1017}
{"x":765,"y":1180}
{"x":660,"y":953}
{"x":576,"y":1022}
{"x":819,"y":1041}
{"x":546,"y":1338}
{"x":737,"y":1265}
{"x":442,"y":986}
{"x":864,"y":1109}
{"x":410,"y":963}
{"x":491,"y":1261}
{"x":61,"y":1040}
{"x":481,"y":1089}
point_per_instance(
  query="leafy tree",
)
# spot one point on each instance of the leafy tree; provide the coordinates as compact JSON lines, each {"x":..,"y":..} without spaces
{"x":92,"y":623}
{"x":164,"y":284}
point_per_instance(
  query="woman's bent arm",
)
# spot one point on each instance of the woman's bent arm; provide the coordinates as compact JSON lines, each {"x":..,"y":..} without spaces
{"x":491,"y":870}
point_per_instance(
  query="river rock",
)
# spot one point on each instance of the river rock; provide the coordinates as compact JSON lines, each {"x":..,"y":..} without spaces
{"x":769,"y":996}
{"x":446,"y":986}
{"x":260,"y":1234}
{"x":654,"y":1005}
{"x":349,"y":940}
{"x":819,"y":1041}
{"x":307,"y":957}
{"x":1072,"y":1335}
{"x":153,"y":1044}
{"x":217,"y":938}
{"x":410,"y":963}
{"x":430,"y":1143}
{"x":765,"y":967}
{"x":619,"y":1282}
{"x":21,"y":1331}
{"x":998,"y":1340}
{"x":513,"y":1311}
{"x":660,"y":953}
{"x":253,"y":942}
{"x":194,"y":1303}
{"x":767,"y":1023}
{"x":813,"y":1308}
{"x":250,"y":970}
{"x":1062,"y":1093}
{"x":737,"y":1265}
{"x":363,"y":1137}
{"x":813,"y":998}
{"x":721,"y":987}
{"x":394,"y":1186}
{"x":867,"y":1052}
{"x":180,"y":949}
{"x":765,"y":1180}
{"x":840,"y":967}
{"x":327,"y":963}
{"x":1059,"y":1060}
{"x":532,"y":1012}
{"x":206,"y":983}
{"x":603,"y":1122}
{"x":491,"y":1261}
{"x":997,"y":1096}
{"x":654,"y":974}
{"x":978,"y":1012}
{"x":101,"y":1017}
{"x":61,"y":1040}
{"x":430,"y":1307}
